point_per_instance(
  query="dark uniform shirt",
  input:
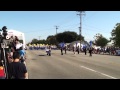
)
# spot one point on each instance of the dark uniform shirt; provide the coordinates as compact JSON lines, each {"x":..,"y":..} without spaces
{"x":17,"y":70}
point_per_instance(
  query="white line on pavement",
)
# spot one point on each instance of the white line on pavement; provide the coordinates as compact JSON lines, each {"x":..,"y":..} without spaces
{"x":88,"y":68}
{"x":108,"y":76}
{"x":98,"y":72}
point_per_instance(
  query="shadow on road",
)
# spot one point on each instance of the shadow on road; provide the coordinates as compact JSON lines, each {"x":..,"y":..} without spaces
{"x":34,"y":59}
{"x":41,"y":55}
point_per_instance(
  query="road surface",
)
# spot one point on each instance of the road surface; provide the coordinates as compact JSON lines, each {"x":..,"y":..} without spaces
{"x":70,"y":66}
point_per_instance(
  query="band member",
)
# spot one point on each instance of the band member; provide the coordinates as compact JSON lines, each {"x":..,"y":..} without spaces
{"x":90,"y":51}
{"x":65,"y":49}
{"x":78,"y":49}
{"x":48,"y":50}
{"x":85,"y":49}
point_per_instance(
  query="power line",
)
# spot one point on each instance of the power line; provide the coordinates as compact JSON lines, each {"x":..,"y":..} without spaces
{"x":97,"y":30}
{"x":90,"y":16}
{"x":67,"y":21}
{"x":39,"y":37}
{"x":71,"y":25}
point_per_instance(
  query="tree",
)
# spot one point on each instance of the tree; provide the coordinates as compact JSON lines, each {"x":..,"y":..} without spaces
{"x":51,"y":40}
{"x":34,"y":41}
{"x":116,"y":35}
{"x":79,"y":37}
{"x":42,"y":41}
{"x":67,"y":37}
{"x":21,"y":41}
{"x":28,"y":43}
{"x":100,"y":40}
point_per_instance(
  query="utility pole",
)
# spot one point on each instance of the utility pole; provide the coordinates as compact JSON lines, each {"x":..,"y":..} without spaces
{"x":56,"y":34}
{"x":56,"y":29}
{"x":80,"y":28}
{"x":39,"y":37}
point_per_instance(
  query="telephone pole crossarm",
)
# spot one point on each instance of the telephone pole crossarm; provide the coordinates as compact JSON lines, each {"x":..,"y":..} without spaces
{"x":56,"y":29}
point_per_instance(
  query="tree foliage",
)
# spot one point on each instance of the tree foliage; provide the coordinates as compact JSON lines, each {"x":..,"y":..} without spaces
{"x":100,"y":40}
{"x":116,"y":35}
{"x":67,"y":37}
{"x":80,"y":37}
{"x":51,"y":40}
{"x":34,"y":41}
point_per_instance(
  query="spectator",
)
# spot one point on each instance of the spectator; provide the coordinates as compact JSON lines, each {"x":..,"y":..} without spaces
{"x":17,"y":70}
{"x":22,"y":55}
{"x":16,"y":38}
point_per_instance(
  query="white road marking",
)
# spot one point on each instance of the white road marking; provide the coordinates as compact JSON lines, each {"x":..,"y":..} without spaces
{"x":98,"y":72}
{"x":108,"y":76}
{"x":88,"y":69}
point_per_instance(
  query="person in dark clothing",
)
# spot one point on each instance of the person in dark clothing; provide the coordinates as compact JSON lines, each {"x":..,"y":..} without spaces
{"x":61,"y":51}
{"x":78,"y":49}
{"x":16,"y":38}
{"x":90,"y":51}
{"x":17,"y":69}
{"x":85,"y":50}
{"x":49,"y":50}
{"x":65,"y":49}
{"x":62,"y":47}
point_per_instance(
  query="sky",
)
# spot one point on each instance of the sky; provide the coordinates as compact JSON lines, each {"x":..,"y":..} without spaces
{"x":41,"y":24}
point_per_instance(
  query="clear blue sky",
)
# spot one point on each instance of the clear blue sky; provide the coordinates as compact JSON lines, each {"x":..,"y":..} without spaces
{"x":42,"y":23}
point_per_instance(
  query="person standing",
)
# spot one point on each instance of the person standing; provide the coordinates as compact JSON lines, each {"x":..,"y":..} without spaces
{"x":65,"y":49}
{"x":78,"y":49}
{"x":90,"y":51}
{"x":49,"y":50}
{"x":74,"y":49}
{"x":85,"y":50}
{"x":61,"y":51}
{"x":62,"y":46}
{"x":17,"y":70}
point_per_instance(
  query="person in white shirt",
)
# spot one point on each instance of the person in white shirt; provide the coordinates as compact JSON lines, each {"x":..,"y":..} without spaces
{"x":18,"y":45}
{"x":48,"y":50}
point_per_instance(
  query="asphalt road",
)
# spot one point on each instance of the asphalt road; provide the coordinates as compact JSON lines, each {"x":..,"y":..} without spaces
{"x":70,"y":66}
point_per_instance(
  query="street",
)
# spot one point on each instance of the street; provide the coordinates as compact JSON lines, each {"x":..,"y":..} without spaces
{"x":70,"y":66}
